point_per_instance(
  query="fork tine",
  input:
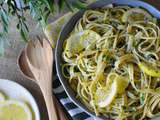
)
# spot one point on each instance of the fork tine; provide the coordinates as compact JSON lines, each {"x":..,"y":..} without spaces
{"x":46,"y":41}
{"x":37,"y":42}
{"x":39,"y":39}
{"x":30,"y":52}
{"x":47,"y":47}
{"x":48,"y":50}
{"x":32,"y":41}
{"x":31,"y":44}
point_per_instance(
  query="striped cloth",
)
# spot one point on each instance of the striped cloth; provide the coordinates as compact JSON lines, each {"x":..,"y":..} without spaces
{"x":74,"y":111}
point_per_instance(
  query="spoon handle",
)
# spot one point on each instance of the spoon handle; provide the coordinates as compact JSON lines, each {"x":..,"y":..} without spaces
{"x":45,"y":84}
{"x":51,"y":106}
{"x":61,"y":113}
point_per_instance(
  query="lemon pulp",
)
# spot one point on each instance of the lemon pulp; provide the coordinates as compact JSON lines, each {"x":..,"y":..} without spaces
{"x":106,"y":97}
{"x":81,"y":40}
{"x":115,"y":85}
{"x":14,"y":110}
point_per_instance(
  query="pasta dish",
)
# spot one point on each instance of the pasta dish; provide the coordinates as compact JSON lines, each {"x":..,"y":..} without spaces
{"x":112,"y":62}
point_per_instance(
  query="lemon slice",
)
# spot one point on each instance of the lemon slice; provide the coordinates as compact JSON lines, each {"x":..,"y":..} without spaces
{"x":116,"y":84}
{"x":136,"y":14}
{"x":78,"y":41}
{"x":106,"y":96}
{"x":149,"y":70}
{"x":122,"y":83}
{"x":2,"y":97}
{"x":14,"y":110}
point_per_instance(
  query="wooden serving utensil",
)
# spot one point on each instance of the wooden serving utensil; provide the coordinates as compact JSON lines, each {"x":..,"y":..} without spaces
{"x":22,"y":64}
{"x":40,"y":61}
{"x":36,"y":63}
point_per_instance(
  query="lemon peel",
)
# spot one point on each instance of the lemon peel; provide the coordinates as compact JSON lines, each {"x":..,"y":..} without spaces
{"x":79,"y":41}
{"x":116,"y":84}
{"x":149,"y":70}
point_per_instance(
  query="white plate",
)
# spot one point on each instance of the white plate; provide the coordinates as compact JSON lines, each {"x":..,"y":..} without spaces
{"x":17,"y":92}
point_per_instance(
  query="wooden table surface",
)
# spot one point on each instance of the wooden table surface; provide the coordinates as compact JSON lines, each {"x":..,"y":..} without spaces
{"x":8,"y":63}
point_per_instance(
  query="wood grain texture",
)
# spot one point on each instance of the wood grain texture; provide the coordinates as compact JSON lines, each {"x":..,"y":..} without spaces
{"x":8,"y":64}
{"x":39,"y":57}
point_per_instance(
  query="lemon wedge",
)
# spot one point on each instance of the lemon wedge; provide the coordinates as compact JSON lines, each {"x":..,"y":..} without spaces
{"x":116,"y":84}
{"x":122,"y":83}
{"x":106,"y":96}
{"x":136,"y":14}
{"x":14,"y":110}
{"x":149,"y":70}
{"x":2,"y":97}
{"x":78,"y":41}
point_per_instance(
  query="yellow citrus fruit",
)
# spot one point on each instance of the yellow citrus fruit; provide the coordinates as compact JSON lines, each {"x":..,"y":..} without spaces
{"x":116,"y":84}
{"x":79,"y":41}
{"x":149,"y":69}
{"x":14,"y":110}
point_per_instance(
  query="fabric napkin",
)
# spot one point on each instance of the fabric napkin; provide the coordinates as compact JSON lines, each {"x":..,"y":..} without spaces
{"x":52,"y":31}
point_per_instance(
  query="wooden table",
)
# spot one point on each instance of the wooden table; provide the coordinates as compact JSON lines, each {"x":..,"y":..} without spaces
{"x":8,"y":64}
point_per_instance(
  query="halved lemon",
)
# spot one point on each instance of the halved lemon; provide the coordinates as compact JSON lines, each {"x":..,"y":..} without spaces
{"x":79,"y":41}
{"x":2,"y":97}
{"x":115,"y":85}
{"x":14,"y":110}
{"x":136,"y":14}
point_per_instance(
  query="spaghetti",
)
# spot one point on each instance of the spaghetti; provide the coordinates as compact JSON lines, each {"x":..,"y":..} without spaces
{"x":112,"y":60}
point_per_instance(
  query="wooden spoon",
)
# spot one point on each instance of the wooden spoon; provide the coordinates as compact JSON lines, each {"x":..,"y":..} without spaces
{"x":40,"y":62}
{"x":24,"y":69}
{"x":23,"y":66}
{"x":37,"y":60}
